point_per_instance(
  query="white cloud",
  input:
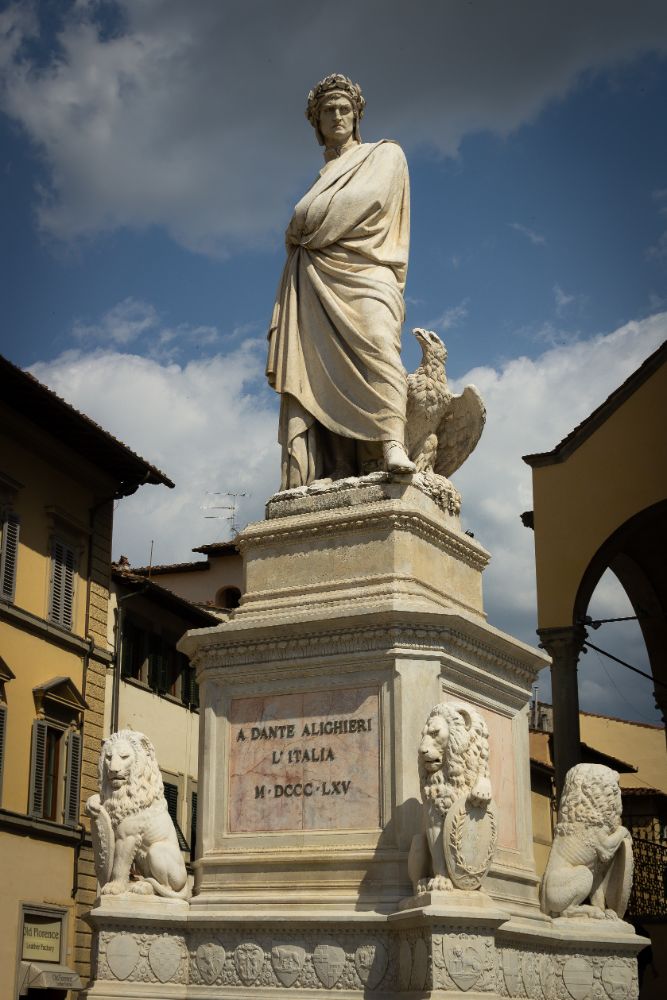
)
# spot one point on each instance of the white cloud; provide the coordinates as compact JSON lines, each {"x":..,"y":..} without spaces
{"x":211,"y":426}
{"x":120,"y":325}
{"x":450,"y":317}
{"x":537,"y":239}
{"x":189,"y":116}
{"x":563,"y":300}
{"x":532,"y":405}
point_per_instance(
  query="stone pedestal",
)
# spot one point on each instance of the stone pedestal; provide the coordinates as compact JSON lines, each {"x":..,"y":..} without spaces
{"x":362,"y":609}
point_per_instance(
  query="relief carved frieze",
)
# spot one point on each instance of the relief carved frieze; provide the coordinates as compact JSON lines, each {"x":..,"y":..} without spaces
{"x":457,"y":958}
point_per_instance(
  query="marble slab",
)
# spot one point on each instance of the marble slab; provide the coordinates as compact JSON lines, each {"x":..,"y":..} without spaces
{"x":305,"y":761}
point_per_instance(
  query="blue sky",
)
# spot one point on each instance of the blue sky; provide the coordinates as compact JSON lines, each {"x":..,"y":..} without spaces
{"x":151,"y":153}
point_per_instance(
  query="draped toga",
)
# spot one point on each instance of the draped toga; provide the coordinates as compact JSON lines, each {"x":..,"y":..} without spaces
{"x":334,"y":342}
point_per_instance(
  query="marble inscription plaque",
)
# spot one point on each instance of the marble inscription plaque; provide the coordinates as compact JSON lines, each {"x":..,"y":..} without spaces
{"x":305,"y":761}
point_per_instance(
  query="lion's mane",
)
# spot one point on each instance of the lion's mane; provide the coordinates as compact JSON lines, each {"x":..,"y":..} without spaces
{"x":465,"y":758}
{"x":591,"y":797}
{"x":144,"y":785}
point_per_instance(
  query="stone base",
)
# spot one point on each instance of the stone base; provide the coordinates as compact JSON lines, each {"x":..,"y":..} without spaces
{"x":449,"y":945}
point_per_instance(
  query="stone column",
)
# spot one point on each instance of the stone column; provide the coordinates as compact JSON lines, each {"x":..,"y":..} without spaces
{"x":564,"y":646}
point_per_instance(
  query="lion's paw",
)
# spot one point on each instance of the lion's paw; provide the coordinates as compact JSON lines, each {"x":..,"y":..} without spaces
{"x":114,"y":888}
{"x":440,"y":883}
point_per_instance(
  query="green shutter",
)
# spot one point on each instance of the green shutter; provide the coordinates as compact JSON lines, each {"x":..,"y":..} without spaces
{"x":73,"y":778}
{"x":37,"y":768}
{"x":9,"y":553}
{"x":62,"y":584}
{"x":171,"y":795}
{"x":3,"y":734}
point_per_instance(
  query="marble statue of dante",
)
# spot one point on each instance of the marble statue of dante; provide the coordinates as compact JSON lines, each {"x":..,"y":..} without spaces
{"x":334,"y":342}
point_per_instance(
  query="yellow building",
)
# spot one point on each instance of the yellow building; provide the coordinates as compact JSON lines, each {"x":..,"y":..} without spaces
{"x":60,"y":475}
{"x":600,"y":502}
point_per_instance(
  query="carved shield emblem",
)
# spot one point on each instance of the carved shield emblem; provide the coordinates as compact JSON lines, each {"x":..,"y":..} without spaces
{"x":210,"y":958}
{"x":578,"y":978}
{"x":617,"y":883}
{"x":248,"y":959}
{"x":122,"y":955}
{"x":464,"y":964}
{"x":419,"y":965}
{"x":102,"y":836}
{"x":404,"y":965}
{"x":287,"y":961}
{"x":617,"y":979}
{"x":371,"y":961}
{"x":329,"y":962}
{"x":164,"y":957}
{"x":469,"y":842}
{"x":512,"y":971}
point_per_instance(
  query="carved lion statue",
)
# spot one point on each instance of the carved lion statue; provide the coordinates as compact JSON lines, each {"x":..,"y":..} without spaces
{"x":591,"y":853}
{"x":453,"y":762}
{"x":130,"y":823}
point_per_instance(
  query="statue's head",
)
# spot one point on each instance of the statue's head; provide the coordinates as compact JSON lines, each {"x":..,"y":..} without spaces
{"x":335,"y":108}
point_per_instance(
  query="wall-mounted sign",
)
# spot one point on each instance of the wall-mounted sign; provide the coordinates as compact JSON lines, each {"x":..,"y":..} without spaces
{"x":41,"y":938}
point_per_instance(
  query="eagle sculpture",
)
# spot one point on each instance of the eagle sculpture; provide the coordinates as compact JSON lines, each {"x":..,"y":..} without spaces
{"x":442,"y":429}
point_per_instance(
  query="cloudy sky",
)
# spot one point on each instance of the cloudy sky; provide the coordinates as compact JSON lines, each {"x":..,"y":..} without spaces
{"x":151,"y":152}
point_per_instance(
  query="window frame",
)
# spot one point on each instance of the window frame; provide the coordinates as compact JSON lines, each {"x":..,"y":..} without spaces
{"x":65,"y":781}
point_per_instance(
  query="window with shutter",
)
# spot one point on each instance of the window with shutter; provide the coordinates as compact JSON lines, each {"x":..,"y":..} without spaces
{"x":171,"y":795}
{"x":134,"y":649}
{"x":9,"y":553}
{"x":73,"y":782}
{"x":37,"y":768}
{"x":63,"y":568}
{"x":3,"y":732}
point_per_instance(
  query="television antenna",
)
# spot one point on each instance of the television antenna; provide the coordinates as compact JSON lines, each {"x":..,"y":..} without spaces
{"x":233,"y":507}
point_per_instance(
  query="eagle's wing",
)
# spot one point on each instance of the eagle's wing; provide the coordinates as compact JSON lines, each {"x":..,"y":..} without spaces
{"x":459,"y":431}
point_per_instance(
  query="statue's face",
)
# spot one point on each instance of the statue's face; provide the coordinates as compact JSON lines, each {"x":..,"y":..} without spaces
{"x":336,"y":120}
{"x":118,"y":759}
{"x":433,"y":743}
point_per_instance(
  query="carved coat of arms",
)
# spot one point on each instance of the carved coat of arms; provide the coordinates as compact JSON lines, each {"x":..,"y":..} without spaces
{"x":329,"y":962}
{"x":248,"y":959}
{"x":210,"y":959}
{"x":371,"y":961}
{"x":287,"y":961}
{"x":464,"y":964}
